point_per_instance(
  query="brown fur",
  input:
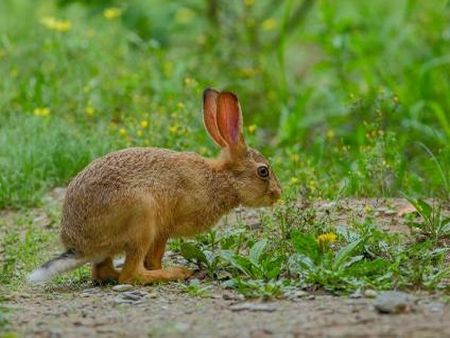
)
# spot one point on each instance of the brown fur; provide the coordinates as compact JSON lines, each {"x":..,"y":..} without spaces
{"x":134,"y":200}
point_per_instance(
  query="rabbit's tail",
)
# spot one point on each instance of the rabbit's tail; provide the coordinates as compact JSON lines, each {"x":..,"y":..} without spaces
{"x":64,"y":262}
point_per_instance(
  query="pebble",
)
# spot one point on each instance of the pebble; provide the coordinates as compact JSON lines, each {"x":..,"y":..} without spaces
{"x":369,"y":293}
{"x":130,"y":297}
{"x":296,"y":294}
{"x":122,"y":287}
{"x":435,"y":307}
{"x":232,"y":296}
{"x":256,"y":307}
{"x":355,"y":295}
{"x":89,"y":292}
{"x":394,"y":302}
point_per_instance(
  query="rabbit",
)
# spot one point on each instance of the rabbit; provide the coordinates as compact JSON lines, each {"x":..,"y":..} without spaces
{"x":133,"y":200}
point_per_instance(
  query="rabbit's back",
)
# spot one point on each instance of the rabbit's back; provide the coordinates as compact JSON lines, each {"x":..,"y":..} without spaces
{"x":102,"y":198}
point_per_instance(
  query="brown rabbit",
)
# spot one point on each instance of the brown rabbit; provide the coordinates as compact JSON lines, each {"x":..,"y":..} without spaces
{"x":132,"y":201}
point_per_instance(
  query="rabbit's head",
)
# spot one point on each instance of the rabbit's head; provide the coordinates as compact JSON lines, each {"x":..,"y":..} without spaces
{"x":251,"y":173}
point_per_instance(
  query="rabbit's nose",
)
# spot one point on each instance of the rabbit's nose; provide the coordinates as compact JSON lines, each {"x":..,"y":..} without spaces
{"x":275,"y":193}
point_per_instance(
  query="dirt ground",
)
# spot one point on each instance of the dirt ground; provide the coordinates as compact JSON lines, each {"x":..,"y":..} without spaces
{"x":168,"y":311}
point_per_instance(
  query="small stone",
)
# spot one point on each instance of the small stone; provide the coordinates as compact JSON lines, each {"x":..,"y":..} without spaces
{"x":42,"y":220}
{"x":256,"y":307}
{"x":435,"y":307}
{"x":356,"y":295}
{"x":311,"y":297}
{"x":130,"y":297}
{"x":369,"y":293}
{"x":293,"y":295}
{"x":232,"y":296}
{"x":134,"y":295}
{"x":395,"y":302}
{"x":122,"y":287}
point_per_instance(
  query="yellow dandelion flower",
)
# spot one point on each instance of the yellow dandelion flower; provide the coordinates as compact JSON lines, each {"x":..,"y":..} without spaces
{"x":249,"y":72}
{"x":325,"y":239}
{"x":173,"y":129}
{"x":13,"y":73}
{"x":203,"y":151}
{"x":294,"y":180}
{"x":269,"y":24}
{"x":112,"y":13}
{"x":144,"y":124}
{"x":295,"y":157}
{"x":41,"y":112}
{"x":201,"y":39}
{"x":90,"y":110}
{"x":190,"y":82}
{"x":56,"y":25}
{"x":184,"y":15}
{"x":251,"y":128}
{"x":330,"y":134}
{"x":122,"y":132}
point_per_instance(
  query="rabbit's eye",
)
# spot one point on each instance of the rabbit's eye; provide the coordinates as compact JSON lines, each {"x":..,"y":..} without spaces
{"x":263,"y":171}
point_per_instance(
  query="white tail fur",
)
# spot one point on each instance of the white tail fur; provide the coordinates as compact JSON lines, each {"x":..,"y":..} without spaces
{"x":64,"y":262}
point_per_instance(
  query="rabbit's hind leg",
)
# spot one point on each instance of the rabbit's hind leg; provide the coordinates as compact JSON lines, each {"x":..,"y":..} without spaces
{"x":153,"y":258}
{"x":104,"y":271}
{"x":134,"y":271}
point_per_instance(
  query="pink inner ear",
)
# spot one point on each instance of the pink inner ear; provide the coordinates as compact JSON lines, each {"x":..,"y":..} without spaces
{"x":229,"y":118}
{"x":210,"y":116}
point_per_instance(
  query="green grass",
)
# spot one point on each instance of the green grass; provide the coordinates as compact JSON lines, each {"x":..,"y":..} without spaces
{"x":344,"y":103}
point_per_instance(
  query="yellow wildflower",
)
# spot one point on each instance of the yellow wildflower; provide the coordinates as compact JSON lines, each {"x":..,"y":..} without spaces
{"x":251,"y":128}
{"x":55,"y":24}
{"x":203,"y":151}
{"x":269,"y":24}
{"x":89,"y":110}
{"x":144,"y":124}
{"x":249,"y":3}
{"x":190,"y":82}
{"x":295,"y":157}
{"x":42,"y":112}
{"x":293,"y":180}
{"x":122,"y":132}
{"x":112,"y":13}
{"x":180,"y":105}
{"x":13,"y":73}
{"x":249,"y":72}
{"x":173,"y":129}
{"x":184,"y":15}
{"x":327,"y":238}
{"x":330,"y":134}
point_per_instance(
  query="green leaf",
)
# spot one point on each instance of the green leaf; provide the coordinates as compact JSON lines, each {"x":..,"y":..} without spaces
{"x":344,"y":254}
{"x":192,"y":253}
{"x":306,"y":245}
{"x":445,"y":229}
{"x":256,"y":251}
{"x":424,"y":208}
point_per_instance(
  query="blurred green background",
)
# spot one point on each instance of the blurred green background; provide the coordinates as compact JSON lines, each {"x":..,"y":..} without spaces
{"x":348,"y":98}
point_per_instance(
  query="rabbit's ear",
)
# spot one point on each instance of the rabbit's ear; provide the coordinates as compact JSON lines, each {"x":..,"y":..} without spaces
{"x":210,"y":116}
{"x":229,"y":120}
